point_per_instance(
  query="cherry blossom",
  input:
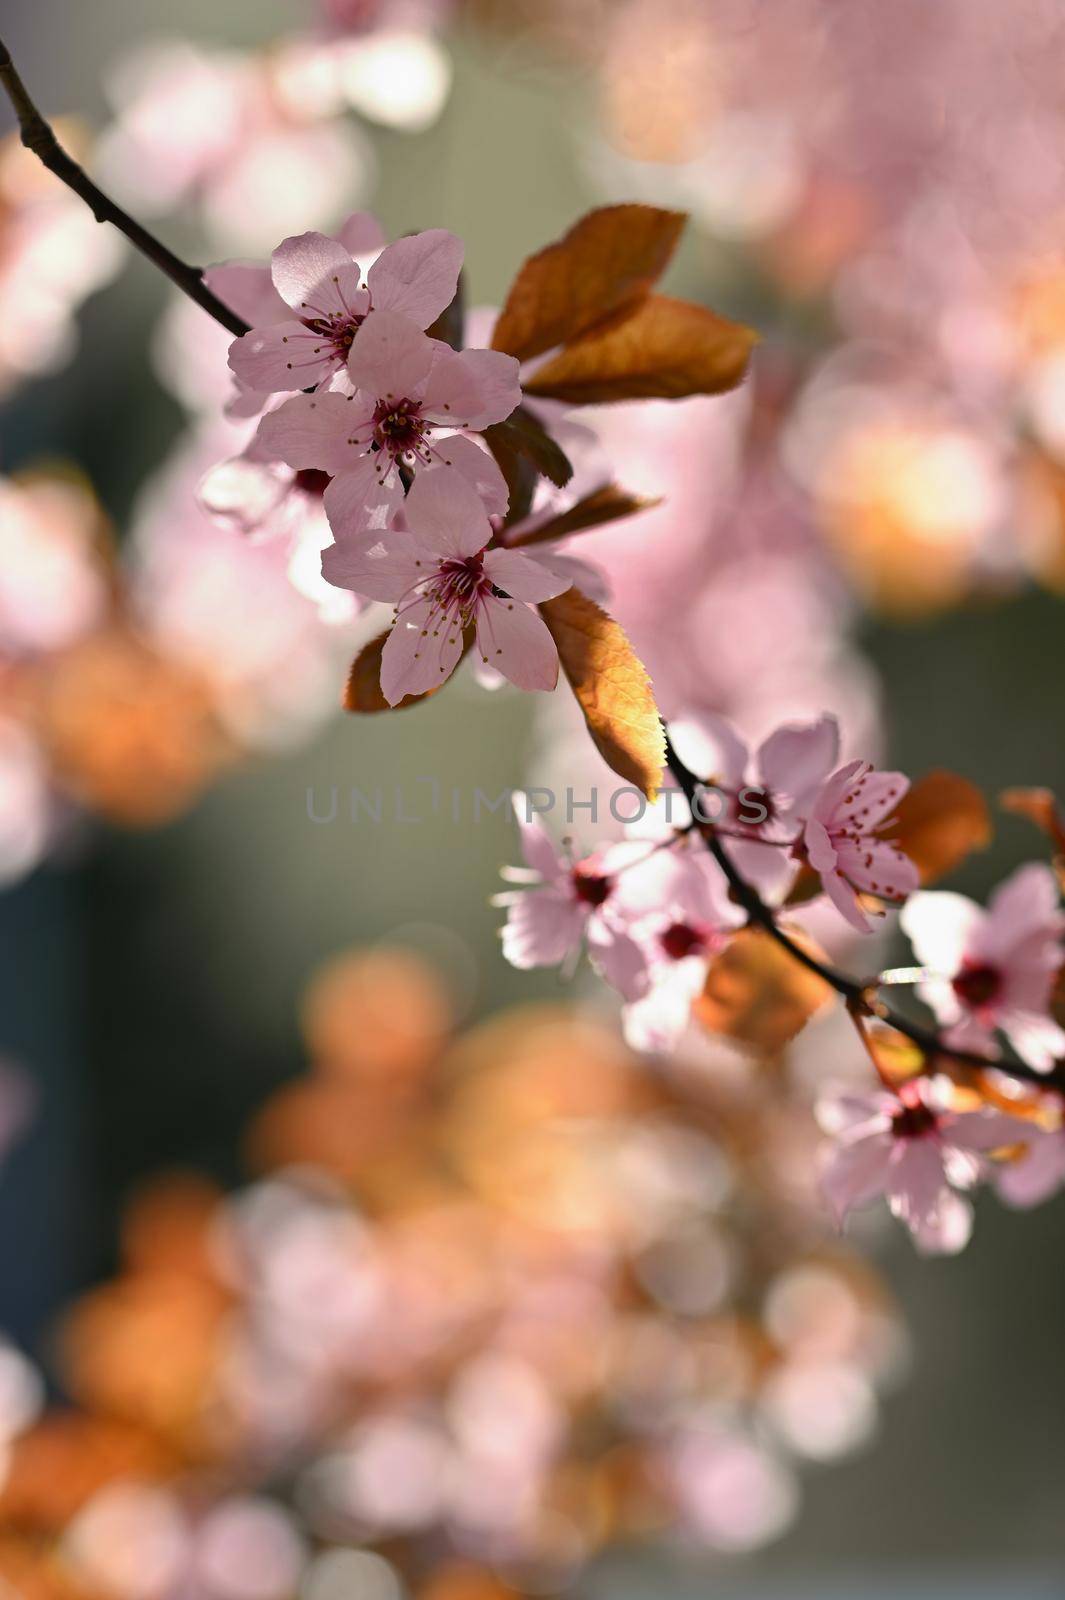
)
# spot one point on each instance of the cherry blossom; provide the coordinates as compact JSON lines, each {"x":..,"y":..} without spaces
{"x":843,"y":844}
{"x":768,"y":793}
{"x":993,"y":969}
{"x":443,"y":579}
{"x":1038,"y":1170}
{"x":687,"y":923}
{"x":568,"y":903}
{"x":317,"y":278}
{"x":412,"y":394}
{"x":916,"y":1152}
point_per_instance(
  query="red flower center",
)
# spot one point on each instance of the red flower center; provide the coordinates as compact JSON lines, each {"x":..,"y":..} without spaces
{"x":591,"y":887}
{"x":399,"y":427}
{"x":913,"y":1121}
{"x":680,"y":940}
{"x":977,"y":984}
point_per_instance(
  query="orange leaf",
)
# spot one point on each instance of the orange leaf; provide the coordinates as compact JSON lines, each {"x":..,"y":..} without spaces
{"x":1040,"y":807}
{"x":603,"y":266}
{"x":938,"y":823}
{"x":608,"y":504}
{"x":611,"y":686}
{"x":666,"y":349}
{"x":758,"y":994}
{"x":362,"y":692}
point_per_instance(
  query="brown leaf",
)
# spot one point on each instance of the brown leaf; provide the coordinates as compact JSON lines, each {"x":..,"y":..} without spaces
{"x":604,"y":266}
{"x":666,"y":349}
{"x":758,"y":994}
{"x":527,"y":437}
{"x":362,"y":692}
{"x":608,"y":504}
{"x":611,"y":686}
{"x":938,"y":823}
{"x":1040,"y":807}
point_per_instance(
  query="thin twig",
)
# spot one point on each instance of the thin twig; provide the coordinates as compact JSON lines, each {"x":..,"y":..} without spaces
{"x":856,"y":993}
{"x":38,"y":136}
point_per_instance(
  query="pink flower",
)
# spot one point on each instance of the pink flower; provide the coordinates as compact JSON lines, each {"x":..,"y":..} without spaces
{"x":993,"y":969}
{"x":317,"y":277}
{"x":569,"y":904}
{"x":412,"y":394}
{"x":1038,"y":1171}
{"x":843,"y":846}
{"x":767,"y":796}
{"x":916,"y":1152}
{"x":686,"y":923}
{"x":442,"y":578}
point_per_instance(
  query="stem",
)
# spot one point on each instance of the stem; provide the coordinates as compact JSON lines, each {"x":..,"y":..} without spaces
{"x":37,"y":135}
{"x":852,"y":989}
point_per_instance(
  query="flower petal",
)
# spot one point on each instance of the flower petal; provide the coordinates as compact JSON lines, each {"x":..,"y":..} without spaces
{"x":417,"y":657}
{"x":380,"y":569}
{"x":417,"y":276}
{"x":391,"y":357}
{"x":446,"y":513}
{"x":248,"y":289}
{"x":317,"y":431}
{"x":315,"y":275}
{"x":360,"y":500}
{"x":479,"y":468}
{"x":543,"y":927}
{"x":361,"y":234}
{"x":709,"y":747}
{"x":522,"y":578}
{"x":796,"y":758}
{"x":284,"y":355}
{"x":496,"y":377}
{"x":940,"y":925}
{"x":517,"y":642}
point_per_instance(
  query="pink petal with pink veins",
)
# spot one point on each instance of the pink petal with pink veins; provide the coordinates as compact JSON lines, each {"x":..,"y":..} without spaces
{"x":446,"y":514}
{"x":391,"y":357}
{"x":315,"y":275}
{"x":522,"y":578}
{"x":380,"y":569}
{"x":517,"y":642}
{"x":795,"y":759}
{"x":359,"y":502}
{"x":420,"y":653}
{"x":284,"y":355}
{"x":497,"y":379}
{"x":417,"y":276}
{"x":476,"y":465}
{"x":316,"y":431}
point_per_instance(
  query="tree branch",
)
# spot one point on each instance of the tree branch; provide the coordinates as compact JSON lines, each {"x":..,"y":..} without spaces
{"x":38,"y":136}
{"x":856,"y":993}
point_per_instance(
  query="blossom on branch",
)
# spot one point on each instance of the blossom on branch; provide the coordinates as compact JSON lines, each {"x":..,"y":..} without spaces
{"x":995,"y":969}
{"x":444,"y":581}
{"x":844,"y":844}
{"x":911,"y":1148}
{"x":319,"y":280}
{"x":412,"y":396}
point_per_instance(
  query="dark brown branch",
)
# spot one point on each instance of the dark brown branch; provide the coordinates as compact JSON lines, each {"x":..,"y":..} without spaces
{"x":856,"y":993}
{"x":38,"y":136}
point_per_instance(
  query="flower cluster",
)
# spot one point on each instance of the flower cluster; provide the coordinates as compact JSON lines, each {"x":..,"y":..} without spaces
{"x":493,"y":1300}
{"x":779,"y":834}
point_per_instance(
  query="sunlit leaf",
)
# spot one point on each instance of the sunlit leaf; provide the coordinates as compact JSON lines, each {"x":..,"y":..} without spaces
{"x":608,"y":504}
{"x":666,"y":349}
{"x":939,"y":822}
{"x":526,"y":436}
{"x":611,"y":686}
{"x":604,"y":266}
{"x":758,"y":994}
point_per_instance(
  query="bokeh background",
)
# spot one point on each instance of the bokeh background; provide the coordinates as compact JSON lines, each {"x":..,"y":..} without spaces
{"x":882,"y":194}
